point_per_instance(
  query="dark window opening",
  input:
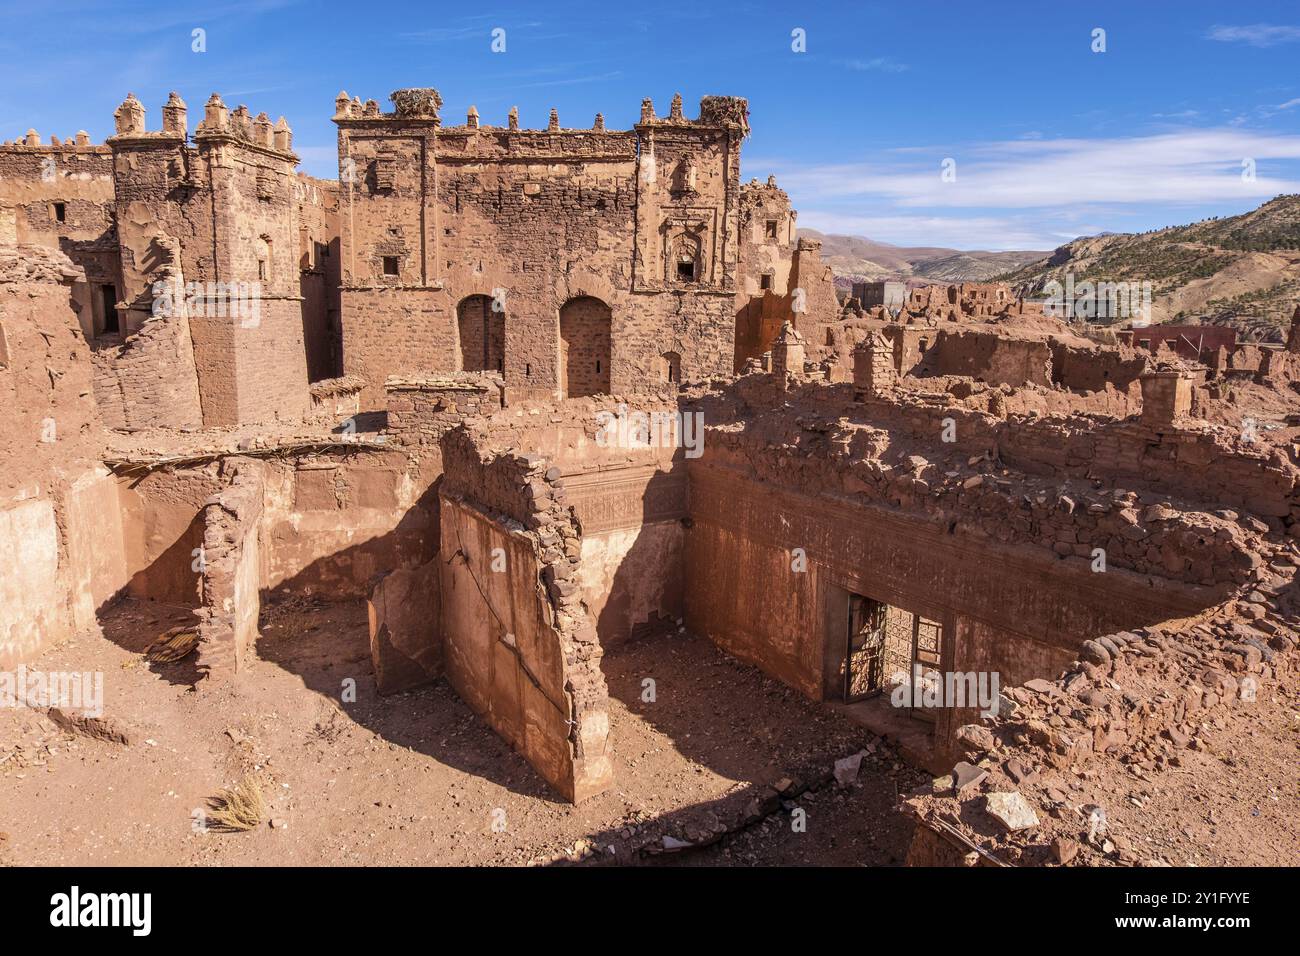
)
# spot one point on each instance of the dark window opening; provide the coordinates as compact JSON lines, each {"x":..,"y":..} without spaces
{"x":686,"y":271}
{"x":770,"y":227}
{"x":597,"y":366}
{"x":108,"y":294}
{"x":390,"y":266}
{"x":765,"y":281}
{"x":528,"y":370}
{"x":60,"y":212}
{"x":261,"y":269}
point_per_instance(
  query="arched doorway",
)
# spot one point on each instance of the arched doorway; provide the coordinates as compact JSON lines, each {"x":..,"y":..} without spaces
{"x":482,"y":335}
{"x":585,"y":347}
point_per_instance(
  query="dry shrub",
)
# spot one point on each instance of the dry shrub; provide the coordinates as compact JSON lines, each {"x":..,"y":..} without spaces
{"x":238,"y":808}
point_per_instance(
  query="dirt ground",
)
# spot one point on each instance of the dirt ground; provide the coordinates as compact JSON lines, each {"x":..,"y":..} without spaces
{"x":416,"y":778}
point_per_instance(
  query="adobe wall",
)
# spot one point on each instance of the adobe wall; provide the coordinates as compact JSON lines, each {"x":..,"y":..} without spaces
{"x":79,"y":176}
{"x":32,"y":178}
{"x":60,"y":537}
{"x":148,"y":378}
{"x":628,"y":495}
{"x":991,"y":357}
{"x":231,"y":572}
{"x":334,"y":521}
{"x":319,"y":274}
{"x":520,"y":647}
{"x":229,"y":207}
{"x":1082,"y":369}
{"x":1028,"y":612}
{"x":549,"y":216}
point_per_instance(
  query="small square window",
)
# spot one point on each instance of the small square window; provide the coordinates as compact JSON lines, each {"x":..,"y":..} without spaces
{"x":770,"y":229}
{"x":686,"y":272}
{"x":390,"y":266}
{"x":60,"y":211}
{"x":765,"y":280}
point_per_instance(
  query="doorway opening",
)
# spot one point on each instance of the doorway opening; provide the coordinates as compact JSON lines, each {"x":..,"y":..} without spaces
{"x":888,"y":647}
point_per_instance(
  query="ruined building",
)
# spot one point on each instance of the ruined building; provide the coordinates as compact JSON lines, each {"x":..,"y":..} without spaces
{"x":526,"y":396}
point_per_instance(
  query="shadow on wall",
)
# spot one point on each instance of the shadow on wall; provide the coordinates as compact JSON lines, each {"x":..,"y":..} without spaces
{"x":307,"y":632}
{"x":637,"y":567}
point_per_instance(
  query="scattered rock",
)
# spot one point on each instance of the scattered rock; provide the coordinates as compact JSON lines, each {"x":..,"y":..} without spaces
{"x":846,"y":769}
{"x":1011,"y":810}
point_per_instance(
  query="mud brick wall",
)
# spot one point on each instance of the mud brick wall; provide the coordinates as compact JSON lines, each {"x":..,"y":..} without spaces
{"x":230,"y":206}
{"x":990,"y":357}
{"x":482,"y":335}
{"x":60,"y":534}
{"x":549,"y":216}
{"x":585,"y":347}
{"x":149,"y":379}
{"x":319,"y":274}
{"x":32,"y":178}
{"x":405,"y":637}
{"x":1038,"y":608}
{"x":335,"y":520}
{"x":231,"y":573}
{"x":521,"y":648}
{"x":1082,"y":369}
{"x":421,"y":412}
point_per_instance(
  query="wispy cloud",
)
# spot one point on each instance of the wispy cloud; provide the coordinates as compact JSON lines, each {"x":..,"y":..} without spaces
{"x":1256,"y":34}
{"x":883,"y":64}
{"x":1185,"y":166}
{"x":980,"y":232}
{"x":1032,"y":193}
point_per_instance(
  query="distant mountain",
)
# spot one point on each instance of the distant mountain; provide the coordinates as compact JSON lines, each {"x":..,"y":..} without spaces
{"x":857,"y":258}
{"x":1237,"y":270}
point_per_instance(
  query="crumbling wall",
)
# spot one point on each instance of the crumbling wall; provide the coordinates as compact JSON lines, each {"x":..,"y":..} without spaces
{"x":623,"y":468}
{"x":1120,"y":714}
{"x":520,"y":646}
{"x":405,"y":637}
{"x":751,"y":591}
{"x":229,"y":204}
{"x":336,"y":518}
{"x":148,"y":378}
{"x":60,"y":545}
{"x":319,"y":273}
{"x":422,"y":410}
{"x":990,"y":357}
{"x":231,"y":572}
{"x":1084,"y":369}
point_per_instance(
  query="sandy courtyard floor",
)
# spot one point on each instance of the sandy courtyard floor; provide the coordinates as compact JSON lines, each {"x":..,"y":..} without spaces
{"x":416,"y":778}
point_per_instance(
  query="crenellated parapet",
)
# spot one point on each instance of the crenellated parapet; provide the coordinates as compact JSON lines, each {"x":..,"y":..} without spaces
{"x":239,"y":127}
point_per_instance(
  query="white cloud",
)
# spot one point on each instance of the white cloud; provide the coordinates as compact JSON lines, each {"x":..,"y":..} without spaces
{"x":1189,"y":166}
{"x":1036,"y":194}
{"x":1257,"y":34}
{"x":980,"y":232}
{"x":883,"y":64}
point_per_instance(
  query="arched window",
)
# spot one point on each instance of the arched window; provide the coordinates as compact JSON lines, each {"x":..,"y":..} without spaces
{"x":482,"y":333}
{"x":585,"y":347}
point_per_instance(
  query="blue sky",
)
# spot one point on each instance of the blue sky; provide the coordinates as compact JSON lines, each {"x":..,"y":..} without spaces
{"x":1050,"y":140}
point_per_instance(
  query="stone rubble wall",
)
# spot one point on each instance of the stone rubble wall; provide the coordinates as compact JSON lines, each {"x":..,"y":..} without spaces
{"x":231,"y":572}
{"x":521,"y":647}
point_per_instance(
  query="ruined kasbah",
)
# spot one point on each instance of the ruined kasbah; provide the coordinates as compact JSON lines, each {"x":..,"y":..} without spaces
{"x":545,"y":496}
